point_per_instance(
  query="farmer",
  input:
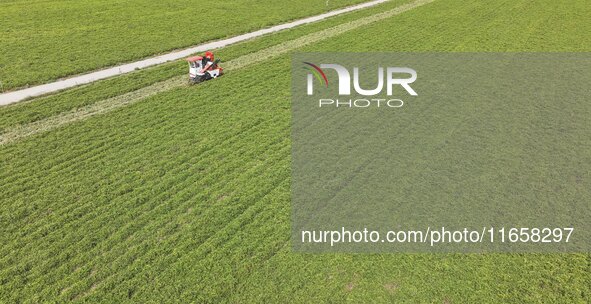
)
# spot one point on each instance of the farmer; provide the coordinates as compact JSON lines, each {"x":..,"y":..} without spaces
{"x":208,"y":60}
{"x":209,"y":55}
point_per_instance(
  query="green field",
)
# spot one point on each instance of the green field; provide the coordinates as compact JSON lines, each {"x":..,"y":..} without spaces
{"x":183,"y":196}
{"x":45,"y":40}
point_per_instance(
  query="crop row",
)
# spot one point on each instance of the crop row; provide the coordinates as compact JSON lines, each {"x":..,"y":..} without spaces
{"x":180,"y":175}
{"x":46,"y":40}
{"x":186,"y":195}
{"x":51,"y":105}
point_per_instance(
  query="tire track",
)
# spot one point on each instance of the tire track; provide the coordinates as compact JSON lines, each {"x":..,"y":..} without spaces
{"x":110,"y":104}
{"x":23,"y":94}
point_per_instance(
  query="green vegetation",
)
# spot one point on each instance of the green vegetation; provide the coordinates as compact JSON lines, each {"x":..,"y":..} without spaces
{"x":45,"y":40}
{"x":185,"y":196}
{"x":26,"y":112}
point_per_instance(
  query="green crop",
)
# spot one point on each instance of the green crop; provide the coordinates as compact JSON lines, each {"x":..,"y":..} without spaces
{"x":26,"y":112}
{"x":45,"y":40}
{"x":184,"y":196}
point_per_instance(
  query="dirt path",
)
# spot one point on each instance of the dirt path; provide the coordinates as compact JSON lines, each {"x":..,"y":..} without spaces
{"x":110,"y":104}
{"x":19,"y":95}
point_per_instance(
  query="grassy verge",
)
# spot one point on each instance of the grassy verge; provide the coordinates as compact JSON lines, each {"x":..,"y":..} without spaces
{"x":44,"y":107}
{"x":45,"y":40}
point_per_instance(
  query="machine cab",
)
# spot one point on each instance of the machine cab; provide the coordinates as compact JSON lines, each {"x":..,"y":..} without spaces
{"x":195,"y":66}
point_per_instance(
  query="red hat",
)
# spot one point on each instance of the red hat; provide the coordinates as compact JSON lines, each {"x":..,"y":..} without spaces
{"x":209,"y":55}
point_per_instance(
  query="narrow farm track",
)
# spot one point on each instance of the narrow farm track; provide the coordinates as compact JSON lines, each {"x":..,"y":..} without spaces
{"x":180,"y":178}
{"x":185,"y":196}
{"x":108,"y":105}
{"x":100,"y":107}
{"x":19,"y":95}
{"x":81,"y":155}
{"x":76,"y":161}
{"x":34,"y":234}
{"x":154,"y":146}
